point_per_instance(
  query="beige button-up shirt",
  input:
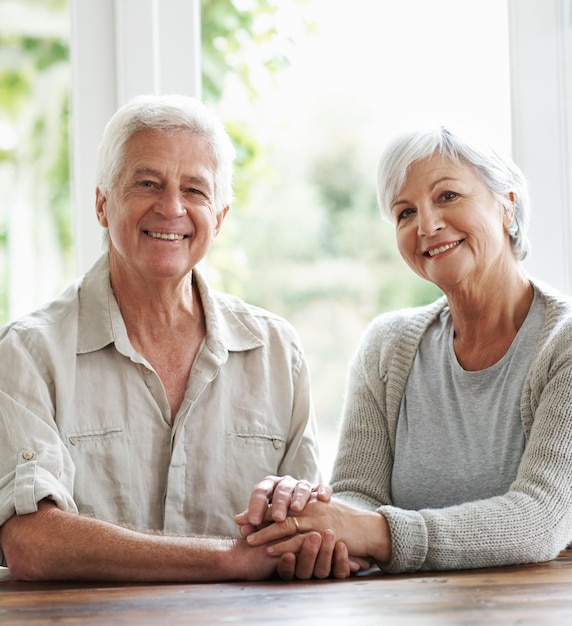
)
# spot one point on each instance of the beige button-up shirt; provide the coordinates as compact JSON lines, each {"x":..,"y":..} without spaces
{"x":84,"y":419}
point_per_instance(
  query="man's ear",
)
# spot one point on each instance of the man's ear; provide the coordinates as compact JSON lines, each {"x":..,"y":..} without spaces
{"x":220,"y":219}
{"x":100,"y":207}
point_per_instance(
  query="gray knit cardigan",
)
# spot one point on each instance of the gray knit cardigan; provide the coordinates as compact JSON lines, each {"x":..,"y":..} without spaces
{"x":530,"y":523}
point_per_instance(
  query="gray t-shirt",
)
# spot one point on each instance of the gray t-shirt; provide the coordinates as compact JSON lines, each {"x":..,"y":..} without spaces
{"x":459,"y":435}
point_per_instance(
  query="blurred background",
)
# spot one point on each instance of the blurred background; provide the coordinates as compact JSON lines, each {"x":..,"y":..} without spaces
{"x":309,"y":94}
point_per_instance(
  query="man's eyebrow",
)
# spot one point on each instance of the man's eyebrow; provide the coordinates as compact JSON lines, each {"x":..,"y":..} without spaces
{"x":147,"y":171}
{"x":198,"y":180}
{"x":190,"y":179}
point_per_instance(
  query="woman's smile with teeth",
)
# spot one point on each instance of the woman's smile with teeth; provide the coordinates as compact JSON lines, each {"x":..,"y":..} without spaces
{"x":441,"y":249}
{"x":168,"y":236}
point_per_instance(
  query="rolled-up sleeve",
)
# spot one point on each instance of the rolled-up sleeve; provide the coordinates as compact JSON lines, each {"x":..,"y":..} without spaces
{"x":34,"y":463}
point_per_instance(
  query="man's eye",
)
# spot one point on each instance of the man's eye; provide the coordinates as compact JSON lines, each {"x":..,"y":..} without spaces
{"x":193,"y":191}
{"x":146,"y":183}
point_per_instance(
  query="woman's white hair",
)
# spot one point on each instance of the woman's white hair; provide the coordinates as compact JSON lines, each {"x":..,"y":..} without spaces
{"x":166,"y":113}
{"x":500,"y":174}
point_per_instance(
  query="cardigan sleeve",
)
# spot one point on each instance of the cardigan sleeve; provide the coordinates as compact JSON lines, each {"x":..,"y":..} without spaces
{"x":532,"y":522}
{"x":362,"y":469}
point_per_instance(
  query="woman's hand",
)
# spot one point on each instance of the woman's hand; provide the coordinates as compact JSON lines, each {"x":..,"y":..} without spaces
{"x":365,"y":533}
{"x":307,"y":554}
{"x":280,"y":495}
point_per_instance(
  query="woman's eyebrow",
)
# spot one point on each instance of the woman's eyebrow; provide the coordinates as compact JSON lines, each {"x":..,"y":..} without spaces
{"x":443,"y":179}
{"x":398,"y":202}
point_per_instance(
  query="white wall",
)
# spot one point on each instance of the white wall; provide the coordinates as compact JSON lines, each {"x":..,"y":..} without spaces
{"x":541,"y":80}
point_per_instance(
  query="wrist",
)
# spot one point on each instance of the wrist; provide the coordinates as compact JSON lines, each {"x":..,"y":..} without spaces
{"x":379,"y":538}
{"x":236,"y":560}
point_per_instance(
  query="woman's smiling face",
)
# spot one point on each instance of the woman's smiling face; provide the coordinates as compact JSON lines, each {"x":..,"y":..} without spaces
{"x":450,"y":228}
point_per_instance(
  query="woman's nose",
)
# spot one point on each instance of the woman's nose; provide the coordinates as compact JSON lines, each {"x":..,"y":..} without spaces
{"x":429,"y":221}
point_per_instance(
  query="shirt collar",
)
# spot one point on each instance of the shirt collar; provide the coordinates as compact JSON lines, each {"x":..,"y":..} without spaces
{"x":226,"y":331}
{"x":100,"y":322}
{"x":95,"y":330}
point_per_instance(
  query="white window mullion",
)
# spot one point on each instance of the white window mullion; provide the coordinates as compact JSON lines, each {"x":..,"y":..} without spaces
{"x":541,"y":71}
{"x":119,"y":49}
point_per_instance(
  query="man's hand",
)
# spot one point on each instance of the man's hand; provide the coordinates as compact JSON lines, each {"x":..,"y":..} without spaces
{"x":274,"y":503}
{"x":319,"y":556}
{"x":283,"y":495}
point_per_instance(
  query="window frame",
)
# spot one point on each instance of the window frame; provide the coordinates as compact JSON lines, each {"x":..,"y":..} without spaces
{"x":540,"y":44}
{"x":120,"y":48}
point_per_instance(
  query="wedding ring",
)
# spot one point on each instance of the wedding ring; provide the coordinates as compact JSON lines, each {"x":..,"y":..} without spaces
{"x":297,"y":524}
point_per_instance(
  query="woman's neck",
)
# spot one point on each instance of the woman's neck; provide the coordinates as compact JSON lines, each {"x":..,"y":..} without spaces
{"x":486,"y":322}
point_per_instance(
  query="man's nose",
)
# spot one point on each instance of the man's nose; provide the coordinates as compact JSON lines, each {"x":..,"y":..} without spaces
{"x":171,"y":204}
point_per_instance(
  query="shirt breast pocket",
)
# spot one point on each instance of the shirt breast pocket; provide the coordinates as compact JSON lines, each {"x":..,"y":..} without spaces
{"x":103,"y":470}
{"x":261,"y":453}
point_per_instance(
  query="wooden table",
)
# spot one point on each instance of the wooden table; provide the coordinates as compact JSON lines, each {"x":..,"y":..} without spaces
{"x":539,"y":594}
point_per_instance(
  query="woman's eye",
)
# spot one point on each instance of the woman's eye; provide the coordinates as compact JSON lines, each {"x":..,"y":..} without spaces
{"x":448,"y":195}
{"x":404,"y":214}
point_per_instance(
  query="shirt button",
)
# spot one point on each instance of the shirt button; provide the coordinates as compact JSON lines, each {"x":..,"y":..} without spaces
{"x":28,"y":455}
{"x":146,"y":371}
{"x":277,"y":444}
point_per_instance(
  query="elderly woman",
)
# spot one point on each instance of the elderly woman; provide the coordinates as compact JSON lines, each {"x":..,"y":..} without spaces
{"x":139,"y":407}
{"x":456,"y":445}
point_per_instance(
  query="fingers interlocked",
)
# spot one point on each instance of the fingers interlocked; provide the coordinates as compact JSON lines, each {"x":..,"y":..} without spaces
{"x":296,"y":523}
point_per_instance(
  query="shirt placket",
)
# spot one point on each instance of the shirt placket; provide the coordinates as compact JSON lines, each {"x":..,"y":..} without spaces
{"x":177,"y":490}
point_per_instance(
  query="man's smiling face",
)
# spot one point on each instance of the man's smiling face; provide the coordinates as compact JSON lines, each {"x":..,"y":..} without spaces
{"x":161,"y":212}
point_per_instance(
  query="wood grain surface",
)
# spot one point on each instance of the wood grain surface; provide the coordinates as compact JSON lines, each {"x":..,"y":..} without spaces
{"x":533,"y":594}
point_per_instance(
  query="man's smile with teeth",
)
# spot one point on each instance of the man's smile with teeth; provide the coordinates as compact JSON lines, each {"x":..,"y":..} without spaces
{"x":441,"y":249}
{"x":168,"y":236}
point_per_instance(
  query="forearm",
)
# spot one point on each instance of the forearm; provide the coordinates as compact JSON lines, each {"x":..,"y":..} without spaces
{"x":365,"y":533}
{"x":54,"y":545}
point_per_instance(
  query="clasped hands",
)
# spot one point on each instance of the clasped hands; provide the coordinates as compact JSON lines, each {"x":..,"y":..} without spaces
{"x":313,"y":534}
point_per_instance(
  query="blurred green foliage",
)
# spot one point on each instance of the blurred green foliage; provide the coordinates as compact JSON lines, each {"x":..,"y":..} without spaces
{"x":304,"y":237}
{"x":232,"y":33}
{"x":312,"y":237}
{"x":242,"y":37}
{"x":41,"y":147}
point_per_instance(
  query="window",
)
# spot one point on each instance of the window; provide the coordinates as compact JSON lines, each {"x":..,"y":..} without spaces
{"x":304,"y":237}
{"x":36,"y":247}
{"x":308,"y":241}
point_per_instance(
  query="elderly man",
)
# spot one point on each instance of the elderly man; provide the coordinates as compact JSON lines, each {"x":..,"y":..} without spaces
{"x":138,"y":409}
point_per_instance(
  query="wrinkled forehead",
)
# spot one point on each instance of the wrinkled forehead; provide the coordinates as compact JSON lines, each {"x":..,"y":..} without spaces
{"x":162,"y":148}
{"x":438,"y":165}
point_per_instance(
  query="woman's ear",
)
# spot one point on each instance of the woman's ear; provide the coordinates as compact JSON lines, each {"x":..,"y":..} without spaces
{"x":509,"y":210}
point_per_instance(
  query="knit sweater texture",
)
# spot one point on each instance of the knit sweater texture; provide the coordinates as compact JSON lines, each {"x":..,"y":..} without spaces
{"x":532,"y":522}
